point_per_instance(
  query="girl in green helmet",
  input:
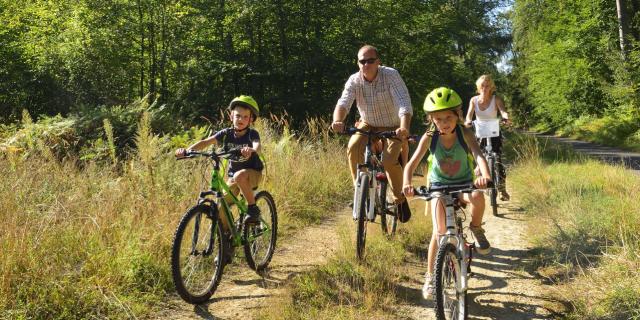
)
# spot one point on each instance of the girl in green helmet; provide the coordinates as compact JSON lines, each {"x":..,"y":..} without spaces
{"x":449,"y":163}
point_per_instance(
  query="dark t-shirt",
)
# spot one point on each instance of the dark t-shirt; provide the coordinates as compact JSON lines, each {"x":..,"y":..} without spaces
{"x":227,"y":139}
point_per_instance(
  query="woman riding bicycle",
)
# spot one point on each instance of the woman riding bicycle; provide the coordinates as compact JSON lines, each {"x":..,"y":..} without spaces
{"x":450,"y":163}
{"x":486,"y":106}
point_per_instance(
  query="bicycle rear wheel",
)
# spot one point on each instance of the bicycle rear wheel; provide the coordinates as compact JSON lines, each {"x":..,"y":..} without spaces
{"x":260,"y":239}
{"x":450,"y":302}
{"x":196,"y":255}
{"x":361,"y":209}
{"x":493,"y":192}
{"x":388,"y":222}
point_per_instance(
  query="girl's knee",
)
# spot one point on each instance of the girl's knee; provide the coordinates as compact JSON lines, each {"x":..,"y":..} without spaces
{"x":241,"y":175}
{"x":477,"y":198}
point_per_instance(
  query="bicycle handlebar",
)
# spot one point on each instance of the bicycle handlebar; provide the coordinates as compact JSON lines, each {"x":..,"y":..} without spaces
{"x":381,"y":134}
{"x":429,"y":193}
{"x":213,"y":155}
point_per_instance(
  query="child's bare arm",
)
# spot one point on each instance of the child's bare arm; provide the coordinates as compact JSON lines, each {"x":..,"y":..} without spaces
{"x":421,"y":150}
{"x":196,"y":146}
{"x":470,"y":113}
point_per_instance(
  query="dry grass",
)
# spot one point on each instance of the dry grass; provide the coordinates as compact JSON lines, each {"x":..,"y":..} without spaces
{"x":587,"y":241}
{"x":93,"y":240}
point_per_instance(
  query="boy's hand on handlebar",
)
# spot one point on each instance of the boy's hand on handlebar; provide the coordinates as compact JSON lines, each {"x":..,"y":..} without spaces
{"x":181,"y":153}
{"x":481,"y":182}
{"x":247,"y":151}
{"x":337,"y":126}
{"x":408,"y":190}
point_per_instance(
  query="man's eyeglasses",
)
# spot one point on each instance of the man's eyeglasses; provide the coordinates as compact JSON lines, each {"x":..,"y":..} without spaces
{"x":368,"y":61}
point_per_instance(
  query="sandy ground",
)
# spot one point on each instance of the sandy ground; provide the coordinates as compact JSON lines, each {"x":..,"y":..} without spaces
{"x":501,"y":287}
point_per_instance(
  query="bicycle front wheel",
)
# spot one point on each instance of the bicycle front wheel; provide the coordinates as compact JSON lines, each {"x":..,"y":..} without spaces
{"x":361,"y":209}
{"x":451,"y":301}
{"x":196,"y":255}
{"x":388,"y":222}
{"x":260,"y":239}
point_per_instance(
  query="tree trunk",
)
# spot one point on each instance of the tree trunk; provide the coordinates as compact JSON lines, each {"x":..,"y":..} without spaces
{"x":141,"y":17}
{"x":622,"y":27}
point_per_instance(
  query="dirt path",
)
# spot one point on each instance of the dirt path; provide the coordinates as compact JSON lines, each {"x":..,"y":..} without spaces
{"x":242,"y":292}
{"x":500,"y":288}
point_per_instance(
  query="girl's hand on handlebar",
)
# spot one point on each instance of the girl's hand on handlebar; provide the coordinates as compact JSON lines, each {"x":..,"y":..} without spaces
{"x":407,"y":190}
{"x":481,"y":182}
{"x":468,"y":124}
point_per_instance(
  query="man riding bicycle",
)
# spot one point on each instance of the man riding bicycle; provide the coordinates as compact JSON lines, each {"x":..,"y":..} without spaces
{"x":384,"y":104}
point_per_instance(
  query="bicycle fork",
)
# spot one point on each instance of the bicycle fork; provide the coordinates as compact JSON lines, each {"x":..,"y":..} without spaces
{"x":463,"y":251}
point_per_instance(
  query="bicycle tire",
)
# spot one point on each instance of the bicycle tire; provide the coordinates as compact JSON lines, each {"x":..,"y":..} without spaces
{"x":448,"y":277}
{"x":493,"y":193}
{"x":197,"y":254}
{"x":388,"y":222}
{"x":361,"y":229}
{"x":259,"y":246}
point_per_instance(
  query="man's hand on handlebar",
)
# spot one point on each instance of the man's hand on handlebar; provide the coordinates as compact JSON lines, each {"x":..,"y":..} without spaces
{"x":181,"y":153}
{"x":337,"y":126}
{"x":408,"y":190}
{"x":402,"y":133}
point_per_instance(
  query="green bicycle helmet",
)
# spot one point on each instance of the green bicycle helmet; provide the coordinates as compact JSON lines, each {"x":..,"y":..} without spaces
{"x":247,"y":102}
{"x":441,"y":99}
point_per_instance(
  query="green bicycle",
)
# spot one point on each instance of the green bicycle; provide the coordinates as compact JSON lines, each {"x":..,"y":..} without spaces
{"x":200,"y":244}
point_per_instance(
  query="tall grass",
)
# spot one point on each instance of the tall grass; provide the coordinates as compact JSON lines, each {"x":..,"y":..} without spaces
{"x":345,"y":288}
{"x":588,"y":236}
{"x":84,"y":239}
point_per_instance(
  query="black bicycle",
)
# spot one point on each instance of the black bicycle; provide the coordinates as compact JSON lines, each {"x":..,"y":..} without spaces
{"x":372,"y":195}
{"x":485,"y":130}
{"x":200,"y":244}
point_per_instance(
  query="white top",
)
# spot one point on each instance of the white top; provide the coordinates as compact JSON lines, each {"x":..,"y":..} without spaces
{"x":491,"y":112}
{"x":380,"y":102}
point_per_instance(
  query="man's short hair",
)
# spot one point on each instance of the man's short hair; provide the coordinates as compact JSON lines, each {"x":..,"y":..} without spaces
{"x":370,"y":47}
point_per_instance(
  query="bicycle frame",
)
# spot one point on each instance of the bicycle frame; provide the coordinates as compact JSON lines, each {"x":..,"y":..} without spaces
{"x":371,"y":167}
{"x":219,"y":188}
{"x":454,"y":232}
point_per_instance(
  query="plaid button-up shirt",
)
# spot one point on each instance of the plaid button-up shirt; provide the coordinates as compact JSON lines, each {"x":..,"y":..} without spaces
{"x":380,"y":102}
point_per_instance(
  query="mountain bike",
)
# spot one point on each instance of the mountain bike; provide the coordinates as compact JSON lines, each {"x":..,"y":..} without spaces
{"x":200,"y":244}
{"x":455,"y":253}
{"x":487,"y":129}
{"x":372,"y":195}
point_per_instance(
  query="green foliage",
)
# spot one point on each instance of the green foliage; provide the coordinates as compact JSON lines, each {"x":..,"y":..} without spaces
{"x":569,"y":74}
{"x":293,"y":56}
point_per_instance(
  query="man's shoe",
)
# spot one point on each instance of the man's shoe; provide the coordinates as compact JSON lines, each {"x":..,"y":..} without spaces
{"x":404,"y":213}
{"x":482,"y":244}
{"x":429,"y":287}
{"x":504,"y":195}
{"x":253,"y":215}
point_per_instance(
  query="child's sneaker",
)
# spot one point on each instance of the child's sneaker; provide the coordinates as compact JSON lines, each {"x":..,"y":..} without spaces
{"x":483,"y":246}
{"x":429,"y":287}
{"x":253,"y":215}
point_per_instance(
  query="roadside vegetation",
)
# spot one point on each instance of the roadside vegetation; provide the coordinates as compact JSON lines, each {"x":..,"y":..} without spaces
{"x":588,"y":238}
{"x":89,"y":236}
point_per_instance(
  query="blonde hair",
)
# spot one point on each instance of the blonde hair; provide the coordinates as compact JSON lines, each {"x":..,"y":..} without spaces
{"x":485,"y":78}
